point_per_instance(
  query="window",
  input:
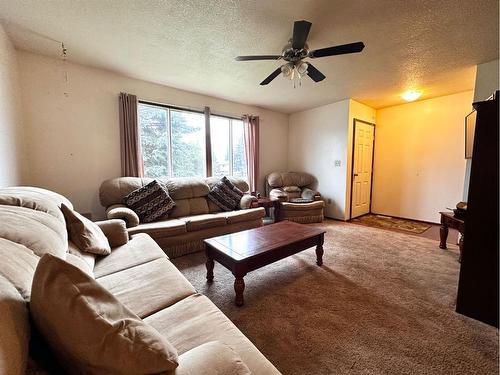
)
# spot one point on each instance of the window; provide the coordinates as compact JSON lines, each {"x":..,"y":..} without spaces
{"x":228,"y":147}
{"x":173,"y":143}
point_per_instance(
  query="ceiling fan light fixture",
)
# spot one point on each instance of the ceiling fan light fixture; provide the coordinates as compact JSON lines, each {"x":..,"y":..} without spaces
{"x":302,"y":68}
{"x":287,"y":70}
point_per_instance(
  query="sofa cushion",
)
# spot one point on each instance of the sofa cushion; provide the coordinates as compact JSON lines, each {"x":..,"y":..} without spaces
{"x":199,"y":222}
{"x":88,"y":258}
{"x":38,"y":231}
{"x":84,"y":233}
{"x":150,"y":202}
{"x":88,"y":329}
{"x":211,"y":358}
{"x":163,"y":228}
{"x":149,"y":287}
{"x":139,"y":250}
{"x":225,"y":195}
{"x":291,"y":189}
{"x":196,"y":320}
{"x":243,"y":215}
{"x":79,"y":263}
{"x":14,"y":330}
{"x":190,"y":206}
{"x":17,"y":265}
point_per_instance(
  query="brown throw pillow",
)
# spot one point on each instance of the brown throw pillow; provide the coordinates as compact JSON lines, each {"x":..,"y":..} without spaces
{"x":225,"y":195}
{"x":84,"y":233}
{"x":150,"y":202}
{"x":88,"y":329}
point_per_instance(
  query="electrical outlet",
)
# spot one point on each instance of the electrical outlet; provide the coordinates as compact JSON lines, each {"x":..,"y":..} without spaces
{"x":337,"y":163}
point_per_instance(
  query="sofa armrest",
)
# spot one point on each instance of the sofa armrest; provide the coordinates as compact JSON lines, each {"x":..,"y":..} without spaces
{"x":246,"y":201}
{"x":120,"y":211}
{"x":278,"y":194}
{"x":311,"y":194}
{"x":115,"y":230}
{"x":209,"y":359}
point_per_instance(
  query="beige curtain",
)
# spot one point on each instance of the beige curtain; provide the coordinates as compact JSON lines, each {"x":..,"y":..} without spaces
{"x":251,"y":128}
{"x":130,"y":142}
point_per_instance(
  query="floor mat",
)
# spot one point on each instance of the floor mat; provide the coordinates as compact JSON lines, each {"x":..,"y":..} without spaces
{"x":388,"y":222}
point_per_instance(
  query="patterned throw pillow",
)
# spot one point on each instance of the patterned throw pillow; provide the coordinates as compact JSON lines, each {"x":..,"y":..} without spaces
{"x":150,"y":202}
{"x":225,"y":195}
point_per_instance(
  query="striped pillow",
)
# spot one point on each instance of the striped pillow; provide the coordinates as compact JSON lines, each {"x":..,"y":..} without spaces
{"x":225,"y":195}
{"x":150,"y":202}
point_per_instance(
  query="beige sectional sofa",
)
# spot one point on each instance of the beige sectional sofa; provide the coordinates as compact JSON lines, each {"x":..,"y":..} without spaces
{"x":137,"y":273}
{"x":193,"y":219}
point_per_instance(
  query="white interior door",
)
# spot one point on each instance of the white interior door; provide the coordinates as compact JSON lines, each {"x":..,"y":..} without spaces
{"x":362,"y":168}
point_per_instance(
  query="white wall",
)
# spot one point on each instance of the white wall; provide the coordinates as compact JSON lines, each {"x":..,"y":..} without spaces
{"x":487,"y":77}
{"x":12,"y":161}
{"x":487,"y":82}
{"x":419,"y":161}
{"x":72,"y":130}
{"x":318,"y":137}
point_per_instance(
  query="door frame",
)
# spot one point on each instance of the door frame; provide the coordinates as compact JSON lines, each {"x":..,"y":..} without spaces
{"x":352,"y":162}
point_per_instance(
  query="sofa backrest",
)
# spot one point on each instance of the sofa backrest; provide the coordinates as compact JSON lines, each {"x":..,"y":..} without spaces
{"x":189,"y":194}
{"x":282,"y":179}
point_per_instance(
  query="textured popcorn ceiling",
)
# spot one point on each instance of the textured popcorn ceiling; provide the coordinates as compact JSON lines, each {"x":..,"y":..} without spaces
{"x":428,"y":45}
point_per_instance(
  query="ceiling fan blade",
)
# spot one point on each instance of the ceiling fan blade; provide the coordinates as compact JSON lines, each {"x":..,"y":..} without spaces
{"x":300,"y":33}
{"x":337,"y":50}
{"x":258,"y":57}
{"x":272,"y":76}
{"x":314,"y":73}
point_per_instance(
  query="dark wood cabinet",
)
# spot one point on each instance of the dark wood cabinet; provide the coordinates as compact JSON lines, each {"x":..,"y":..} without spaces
{"x":478,"y":283}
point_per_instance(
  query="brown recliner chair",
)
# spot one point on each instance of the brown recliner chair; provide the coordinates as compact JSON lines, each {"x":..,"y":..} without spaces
{"x":290,"y":187}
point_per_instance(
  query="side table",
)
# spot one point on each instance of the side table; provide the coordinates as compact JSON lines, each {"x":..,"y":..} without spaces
{"x":448,"y":220}
{"x":268,"y":203}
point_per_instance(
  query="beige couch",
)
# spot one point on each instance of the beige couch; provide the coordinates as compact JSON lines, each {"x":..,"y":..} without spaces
{"x":193,"y":219}
{"x":137,"y":272}
{"x":285,"y":186}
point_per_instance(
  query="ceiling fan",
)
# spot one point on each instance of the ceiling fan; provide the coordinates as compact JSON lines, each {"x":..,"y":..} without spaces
{"x":296,"y":50}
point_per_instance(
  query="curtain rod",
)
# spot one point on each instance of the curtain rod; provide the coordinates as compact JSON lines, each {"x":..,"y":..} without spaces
{"x":191,"y":109}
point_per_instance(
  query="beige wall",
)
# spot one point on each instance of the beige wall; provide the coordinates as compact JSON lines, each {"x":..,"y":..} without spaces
{"x":318,"y":137}
{"x":12,"y":162}
{"x":72,"y":130}
{"x":419,"y":162}
{"x":487,"y":77}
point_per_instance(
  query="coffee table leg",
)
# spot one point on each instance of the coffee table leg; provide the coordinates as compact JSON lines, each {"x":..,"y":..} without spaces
{"x":210,"y":269}
{"x":239,"y":287}
{"x":319,"y":251}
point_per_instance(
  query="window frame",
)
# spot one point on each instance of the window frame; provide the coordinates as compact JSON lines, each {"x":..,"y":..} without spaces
{"x":208,"y":139}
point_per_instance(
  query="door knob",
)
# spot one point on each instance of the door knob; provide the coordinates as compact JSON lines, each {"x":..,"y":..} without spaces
{"x":355,"y":175}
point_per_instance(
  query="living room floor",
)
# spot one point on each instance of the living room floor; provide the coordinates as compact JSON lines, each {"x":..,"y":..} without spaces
{"x":382,"y":303}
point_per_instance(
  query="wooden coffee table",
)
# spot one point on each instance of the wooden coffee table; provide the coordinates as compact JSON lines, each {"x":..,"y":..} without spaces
{"x":245,"y":251}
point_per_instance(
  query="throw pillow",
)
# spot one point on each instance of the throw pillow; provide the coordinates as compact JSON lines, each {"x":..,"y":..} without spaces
{"x":88,"y":329}
{"x":84,"y":233}
{"x":150,"y":202}
{"x":225,"y":195}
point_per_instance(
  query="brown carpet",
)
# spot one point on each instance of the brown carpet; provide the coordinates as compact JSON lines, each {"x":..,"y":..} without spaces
{"x":382,"y":303}
{"x":393,"y":223}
